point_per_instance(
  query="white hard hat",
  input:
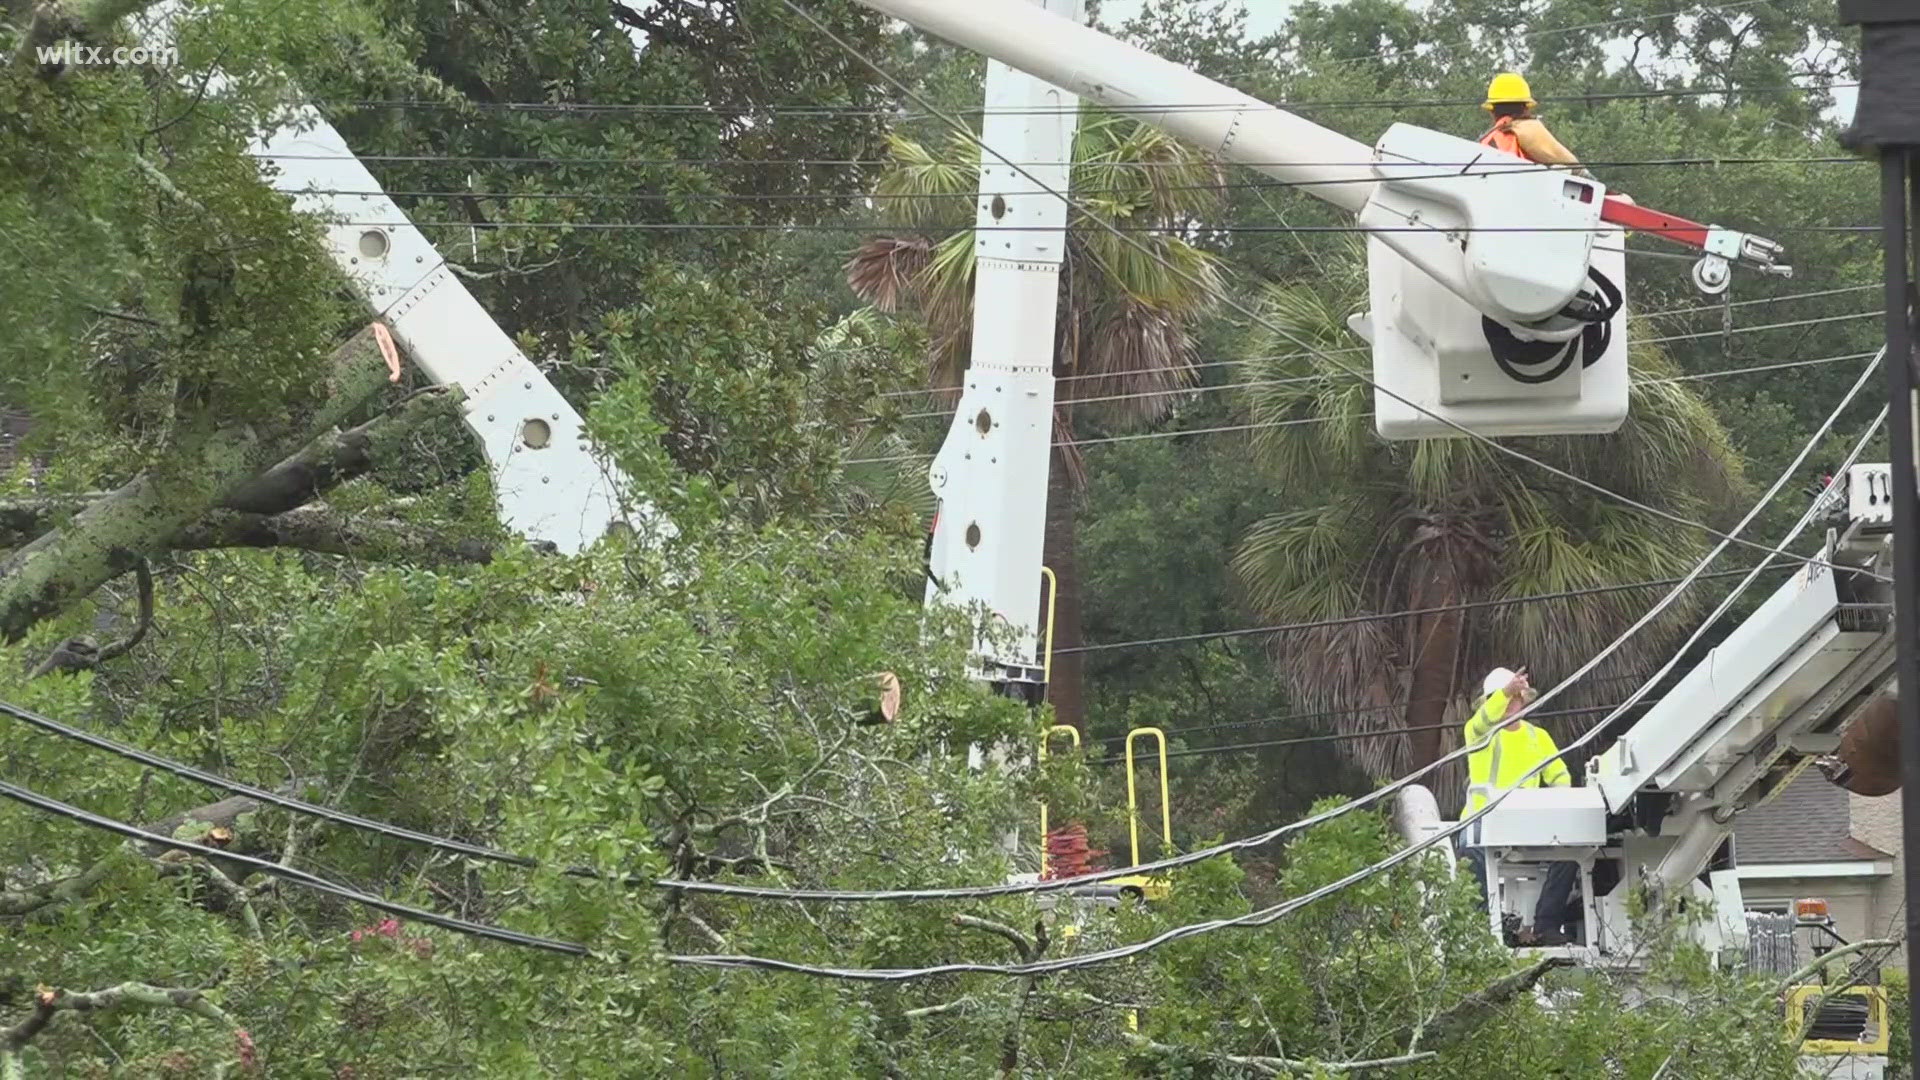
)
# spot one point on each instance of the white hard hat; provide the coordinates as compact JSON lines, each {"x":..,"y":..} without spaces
{"x":1497,"y":679}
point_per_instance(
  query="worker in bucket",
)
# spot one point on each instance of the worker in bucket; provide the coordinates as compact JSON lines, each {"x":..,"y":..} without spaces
{"x":1513,"y":749}
{"x":1516,"y":130}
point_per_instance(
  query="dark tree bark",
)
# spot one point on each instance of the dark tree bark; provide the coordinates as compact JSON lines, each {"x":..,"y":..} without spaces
{"x":1067,"y":687}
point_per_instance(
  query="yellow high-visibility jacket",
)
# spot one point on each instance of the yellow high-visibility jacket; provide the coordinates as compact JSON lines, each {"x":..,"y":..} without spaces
{"x":1513,"y":753}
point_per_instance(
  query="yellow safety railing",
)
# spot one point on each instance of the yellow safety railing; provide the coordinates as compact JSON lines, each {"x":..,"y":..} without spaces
{"x":1053,"y":594}
{"x":1046,"y":739}
{"x":1801,"y":1000}
{"x":1133,"y":798}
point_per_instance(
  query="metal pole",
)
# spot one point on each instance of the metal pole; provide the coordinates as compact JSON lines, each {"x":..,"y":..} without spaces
{"x":1906,"y":534}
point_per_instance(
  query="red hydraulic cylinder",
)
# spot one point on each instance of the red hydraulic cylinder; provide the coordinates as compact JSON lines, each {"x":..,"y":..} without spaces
{"x":1617,"y":211}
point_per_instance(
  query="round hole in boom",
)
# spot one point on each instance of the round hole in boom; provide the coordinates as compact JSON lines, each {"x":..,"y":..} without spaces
{"x":999,"y":207}
{"x":973,"y":535}
{"x":535,"y":434}
{"x":984,"y":422}
{"x":374,"y":244}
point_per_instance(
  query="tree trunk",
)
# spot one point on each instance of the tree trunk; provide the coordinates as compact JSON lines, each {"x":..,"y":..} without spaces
{"x":113,"y":533}
{"x":1065,"y":689}
{"x":1433,"y":644}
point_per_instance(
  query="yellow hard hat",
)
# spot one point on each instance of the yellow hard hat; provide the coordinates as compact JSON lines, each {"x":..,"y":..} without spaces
{"x":1507,"y":88}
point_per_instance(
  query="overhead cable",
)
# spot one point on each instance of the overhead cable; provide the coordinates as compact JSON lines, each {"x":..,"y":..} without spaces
{"x":1295,"y":380}
{"x":1275,"y":912}
{"x":1257,"y":317}
{"x":805,"y":111}
{"x":287,"y":873}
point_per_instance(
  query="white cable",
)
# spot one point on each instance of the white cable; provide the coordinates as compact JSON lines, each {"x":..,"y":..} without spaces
{"x":1277,"y":911}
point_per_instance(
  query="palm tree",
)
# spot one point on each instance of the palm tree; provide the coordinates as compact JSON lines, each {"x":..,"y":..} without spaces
{"x":1379,"y":527}
{"x":1123,"y":345}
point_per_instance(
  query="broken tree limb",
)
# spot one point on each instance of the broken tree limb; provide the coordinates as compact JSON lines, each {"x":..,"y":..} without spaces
{"x":49,"y":1003}
{"x":1469,"y":1013}
{"x":105,"y":539}
{"x":322,"y":529}
{"x":65,"y":890}
{"x":79,"y":654}
{"x":1275,"y":1066}
{"x":323,"y":464}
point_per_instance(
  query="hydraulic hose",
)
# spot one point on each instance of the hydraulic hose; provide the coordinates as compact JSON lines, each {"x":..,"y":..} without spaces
{"x":1512,"y":355}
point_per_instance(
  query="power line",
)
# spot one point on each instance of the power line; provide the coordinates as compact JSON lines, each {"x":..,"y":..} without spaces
{"x":1397,"y":706}
{"x":805,"y":111}
{"x":1411,"y":613}
{"x":1295,"y":380}
{"x":1277,"y":911}
{"x":1660,"y":606}
{"x":1261,"y":425}
{"x":1696,"y":309}
{"x":298,"y":806}
{"x":288,"y":873}
{"x":827,"y":227}
{"x":1263,"y":184}
{"x":1337,"y":736}
{"x":743,"y":162}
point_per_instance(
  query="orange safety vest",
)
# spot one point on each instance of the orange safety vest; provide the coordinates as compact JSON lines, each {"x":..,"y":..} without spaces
{"x":1502,"y":138}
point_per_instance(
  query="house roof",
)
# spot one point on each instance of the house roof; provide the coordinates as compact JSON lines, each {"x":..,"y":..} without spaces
{"x":1810,"y":821}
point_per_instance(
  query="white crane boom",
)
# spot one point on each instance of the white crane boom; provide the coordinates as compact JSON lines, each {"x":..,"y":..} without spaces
{"x":550,"y":483}
{"x":991,"y":472}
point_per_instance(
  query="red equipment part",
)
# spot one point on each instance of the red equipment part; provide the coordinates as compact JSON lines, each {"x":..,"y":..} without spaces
{"x":1068,"y":853}
{"x":1617,"y":211}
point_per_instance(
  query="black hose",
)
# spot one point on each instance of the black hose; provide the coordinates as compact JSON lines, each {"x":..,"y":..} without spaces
{"x":1511,"y":354}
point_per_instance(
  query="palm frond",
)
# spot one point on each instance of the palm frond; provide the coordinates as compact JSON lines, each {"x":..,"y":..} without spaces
{"x":885,"y":270}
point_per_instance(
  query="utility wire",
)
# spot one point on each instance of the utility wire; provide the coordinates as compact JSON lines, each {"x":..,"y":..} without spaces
{"x":1780,"y":365}
{"x":1337,"y":736}
{"x":1697,"y":309}
{"x":1277,"y":911}
{"x":570,"y":108}
{"x":221,"y":783}
{"x":288,"y":873}
{"x":1397,"y":706}
{"x":824,"y":227}
{"x":1412,"y":613}
{"x":1724,"y":540}
{"x":1294,"y":380}
{"x":745,"y":162}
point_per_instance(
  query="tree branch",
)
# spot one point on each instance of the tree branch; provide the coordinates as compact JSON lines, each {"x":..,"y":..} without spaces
{"x":1845,"y":950}
{"x":29,"y":900}
{"x":1022,"y":945}
{"x":48,"y":1002}
{"x":1477,"y":1008}
{"x":54,"y":20}
{"x":105,"y":539}
{"x":1276,"y":1066}
{"x":79,"y":654}
{"x":322,"y":529}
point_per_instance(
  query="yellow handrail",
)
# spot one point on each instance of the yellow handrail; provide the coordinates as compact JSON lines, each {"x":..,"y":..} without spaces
{"x":1053,"y":594}
{"x":1133,"y":799}
{"x":1046,"y":737}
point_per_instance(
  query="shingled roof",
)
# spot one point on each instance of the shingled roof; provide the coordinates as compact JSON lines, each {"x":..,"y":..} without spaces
{"x":1811,"y":821}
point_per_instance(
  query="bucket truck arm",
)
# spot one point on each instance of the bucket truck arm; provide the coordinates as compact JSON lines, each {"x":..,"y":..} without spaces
{"x":549,"y":482}
{"x":1498,"y":286}
{"x":1410,"y":183}
{"x":1657,"y":808}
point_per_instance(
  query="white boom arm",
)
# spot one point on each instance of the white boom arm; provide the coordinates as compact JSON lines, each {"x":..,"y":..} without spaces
{"x":1753,"y":714}
{"x":1520,"y":279}
{"x":550,"y":484}
{"x":991,"y":472}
